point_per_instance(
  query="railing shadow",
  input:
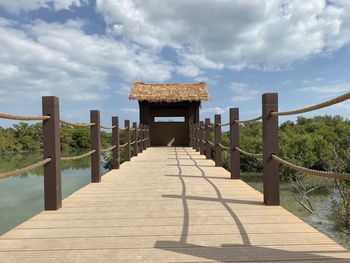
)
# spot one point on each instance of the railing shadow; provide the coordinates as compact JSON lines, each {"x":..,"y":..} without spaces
{"x":244,"y":253}
{"x":228,"y":252}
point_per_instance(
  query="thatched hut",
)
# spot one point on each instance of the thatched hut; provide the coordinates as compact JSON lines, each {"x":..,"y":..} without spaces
{"x":169,"y":109}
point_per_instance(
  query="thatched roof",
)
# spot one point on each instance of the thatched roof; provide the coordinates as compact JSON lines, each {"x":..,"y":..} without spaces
{"x":169,"y":92}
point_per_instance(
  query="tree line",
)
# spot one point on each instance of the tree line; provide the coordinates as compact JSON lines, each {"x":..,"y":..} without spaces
{"x":24,"y":137}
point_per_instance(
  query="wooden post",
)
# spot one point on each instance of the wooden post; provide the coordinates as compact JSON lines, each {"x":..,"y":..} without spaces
{"x":95,"y":145}
{"x":146,"y":132}
{"x":127,"y":140}
{"x":234,"y":142}
{"x":148,"y":136}
{"x":143,"y":142}
{"x":52,"y":149}
{"x":218,"y":150}
{"x":140,"y":138}
{"x":115,"y":141}
{"x":207,"y":139}
{"x":197,"y":136}
{"x":271,"y":178}
{"x":191,"y":134}
{"x":201,"y":137}
{"x":134,"y":126}
{"x":194,"y":136}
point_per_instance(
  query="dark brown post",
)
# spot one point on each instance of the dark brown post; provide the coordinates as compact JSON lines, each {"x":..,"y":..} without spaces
{"x":197,"y":137}
{"x":140,"y":138}
{"x":127,"y":140}
{"x":271,"y":178}
{"x":95,"y":145}
{"x":207,"y":139}
{"x":115,"y":141}
{"x":218,"y":150}
{"x":144,"y":134}
{"x":148,"y":136}
{"x":52,"y":149}
{"x":234,"y":142}
{"x":201,"y":137}
{"x":134,"y":126}
{"x":194,"y":136}
{"x":190,"y":134}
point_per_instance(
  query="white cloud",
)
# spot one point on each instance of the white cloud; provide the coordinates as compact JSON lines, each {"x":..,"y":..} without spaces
{"x":52,"y":58}
{"x":328,"y":90}
{"x":236,"y":34}
{"x":213,"y":110}
{"x":130,"y":110}
{"x":243,"y":92}
{"x":17,"y":6}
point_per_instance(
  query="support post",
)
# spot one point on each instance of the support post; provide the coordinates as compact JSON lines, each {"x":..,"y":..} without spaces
{"x":140,"y":138}
{"x":194,"y":136}
{"x":234,"y":142}
{"x":191,"y":136}
{"x":115,"y":141}
{"x":135,"y":148}
{"x":52,"y":149}
{"x":207,"y":139}
{"x":95,"y":145}
{"x":271,"y":178}
{"x":127,"y":140}
{"x":218,"y":150}
{"x":148,"y":136}
{"x":143,"y":136}
{"x":197,"y":136}
{"x":201,"y":137}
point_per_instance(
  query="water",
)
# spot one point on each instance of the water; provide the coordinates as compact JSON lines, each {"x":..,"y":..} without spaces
{"x":22,"y":197}
{"x":321,"y":220}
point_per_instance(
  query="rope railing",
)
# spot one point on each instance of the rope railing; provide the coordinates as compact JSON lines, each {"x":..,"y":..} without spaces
{"x":107,"y":127}
{"x":314,"y":107}
{"x":123,"y":145}
{"x":300,"y":169}
{"x":248,"y":121}
{"x":77,"y":157}
{"x":74,"y":124}
{"x":52,"y":144}
{"x":224,"y":147}
{"x":23,"y":118}
{"x":222,"y":125}
{"x":108,"y":149}
{"x":254,"y":155}
{"x":25,"y":170}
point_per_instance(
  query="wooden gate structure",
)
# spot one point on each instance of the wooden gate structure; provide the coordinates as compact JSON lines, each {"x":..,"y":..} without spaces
{"x":160,"y":102}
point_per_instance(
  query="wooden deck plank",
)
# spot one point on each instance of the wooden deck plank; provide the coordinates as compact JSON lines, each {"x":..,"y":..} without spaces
{"x":167,"y":205}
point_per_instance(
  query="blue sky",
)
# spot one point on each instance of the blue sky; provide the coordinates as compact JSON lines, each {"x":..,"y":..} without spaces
{"x":89,"y":52}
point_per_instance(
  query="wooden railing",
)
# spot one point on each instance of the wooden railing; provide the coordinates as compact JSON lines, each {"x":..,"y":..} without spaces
{"x":200,"y":135}
{"x":52,"y":148}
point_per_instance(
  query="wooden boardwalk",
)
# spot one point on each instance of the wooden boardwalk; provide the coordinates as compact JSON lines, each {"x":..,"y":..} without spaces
{"x":168,"y":205}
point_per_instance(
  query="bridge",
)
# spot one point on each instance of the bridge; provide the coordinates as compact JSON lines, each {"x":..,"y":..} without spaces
{"x":167,"y":204}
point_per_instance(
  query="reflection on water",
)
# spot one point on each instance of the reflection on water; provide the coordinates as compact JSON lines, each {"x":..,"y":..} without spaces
{"x":23,"y":197}
{"x":321,"y":202}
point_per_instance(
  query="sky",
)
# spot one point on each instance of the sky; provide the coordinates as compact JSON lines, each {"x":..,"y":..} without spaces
{"x":89,"y":52}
